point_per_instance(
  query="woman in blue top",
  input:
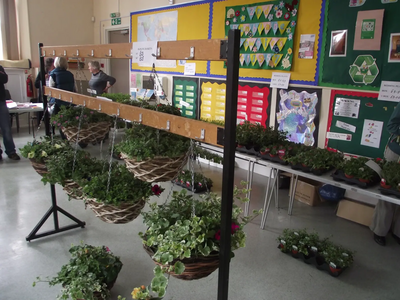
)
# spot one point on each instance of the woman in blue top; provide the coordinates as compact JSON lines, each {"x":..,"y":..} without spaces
{"x":61,"y":78}
{"x":387,"y":215}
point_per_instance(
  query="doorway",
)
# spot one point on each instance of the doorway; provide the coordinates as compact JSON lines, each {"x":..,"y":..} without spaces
{"x":119,"y":68}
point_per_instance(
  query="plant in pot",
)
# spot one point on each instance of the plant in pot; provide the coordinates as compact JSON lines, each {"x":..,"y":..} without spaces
{"x":390,"y":175}
{"x":244,"y":135}
{"x":289,"y":240}
{"x":117,"y":197}
{"x":201,"y":182}
{"x":338,"y":258}
{"x":183,"y":236}
{"x":350,"y":167}
{"x":39,"y":152}
{"x":90,"y":273}
{"x":365,"y":173}
{"x":149,"y":154}
{"x":118,"y":97}
{"x":308,"y":246}
{"x":82,"y":124}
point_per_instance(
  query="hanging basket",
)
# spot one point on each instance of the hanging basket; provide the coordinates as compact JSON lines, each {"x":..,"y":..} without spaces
{"x":195,"y":268}
{"x":113,"y":214}
{"x":73,"y":190}
{"x":40,"y":167}
{"x":92,"y":134}
{"x":157,"y":169}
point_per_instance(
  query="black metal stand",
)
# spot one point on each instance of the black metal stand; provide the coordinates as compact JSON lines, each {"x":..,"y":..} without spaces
{"x":54,"y":209}
{"x":232,"y":77}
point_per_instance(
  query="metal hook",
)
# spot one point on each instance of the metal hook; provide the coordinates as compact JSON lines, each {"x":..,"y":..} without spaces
{"x":77,"y":53}
{"x":43,"y":53}
{"x":158,"y":54}
{"x":117,"y":113}
{"x":84,"y":103}
{"x":109,"y":53}
{"x":191,"y":54}
{"x":70,"y":99}
{"x":99,"y":107}
{"x":65,"y":52}
{"x":130,"y":56}
{"x":202,"y":135}
{"x":92,"y":54}
{"x":168,"y":126}
{"x":54,"y":52}
{"x":140,"y":119}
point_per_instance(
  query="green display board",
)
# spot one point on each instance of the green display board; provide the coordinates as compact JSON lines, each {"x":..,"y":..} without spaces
{"x":360,"y":69}
{"x":185,"y":94}
{"x":267,"y":30}
{"x":371,"y":113}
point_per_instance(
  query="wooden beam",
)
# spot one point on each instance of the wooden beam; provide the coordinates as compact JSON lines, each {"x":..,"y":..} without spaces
{"x":177,"y":125}
{"x":176,"y":50}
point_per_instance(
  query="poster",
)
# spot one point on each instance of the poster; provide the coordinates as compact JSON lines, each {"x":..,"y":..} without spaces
{"x":297,"y":111}
{"x":394,"y":48}
{"x":159,"y":27}
{"x":389,"y":91}
{"x":347,"y":108}
{"x":267,"y":31}
{"x":345,"y":126}
{"x":371,"y":134}
{"x":338,"y":43}
{"x":368,"y":30}
{"x":306,"y":48}
{"x":185,"y":96}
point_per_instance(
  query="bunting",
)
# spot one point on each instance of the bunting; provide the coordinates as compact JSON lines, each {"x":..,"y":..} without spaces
{"x":267,"y":9}
{"x":259,"y":11}
{"x":282,"y":26}
{"x":260,"y":59}
{"x":253,"y":59}
{"x":265,"y":42}
{"x":274,"y":26}
{"x":251,"y":10}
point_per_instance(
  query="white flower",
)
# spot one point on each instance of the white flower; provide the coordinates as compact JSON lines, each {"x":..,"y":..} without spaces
{"x":31,"y":155}
{"x":270,"y":17}
{"x":294,"y":12}
{"x":281,"y":4}
{"x":57,"y":146}
{"x":44,"y":154}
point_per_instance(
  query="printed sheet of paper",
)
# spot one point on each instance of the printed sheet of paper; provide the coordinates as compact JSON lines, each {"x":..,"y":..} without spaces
{"x":306,"y":49}
{"x":190,"y":69}
{"x":280,"y":80}
{"x":347,"y":108}
{"x":390,"y":91}
{"x":346,"y":126}
{"x":368,"y":30}
{"x":142,"y":53}
{"x":338,"y":136}
{"x":372,"y":133}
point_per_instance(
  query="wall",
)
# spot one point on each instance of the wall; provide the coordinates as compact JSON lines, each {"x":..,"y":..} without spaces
{"x":56,"y":22}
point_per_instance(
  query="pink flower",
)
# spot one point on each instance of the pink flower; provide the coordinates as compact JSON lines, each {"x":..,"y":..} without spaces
{"x":278,"y":14}
{"x":54,"y":122}
{"x":91,"y":112}
{"x":107,"y":249}
{"x":218,"y":235}
{"x":156,"y":189}
{"x":77,"y":117}
{"x":61,"y":116}
{"x":85,"y":116}
{"x":66,"y":122}
{"x":58,"y":124}
{"x":234,"y":227}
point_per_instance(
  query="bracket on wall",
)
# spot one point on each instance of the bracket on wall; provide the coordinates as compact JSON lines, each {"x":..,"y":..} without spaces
{"x":224,"y":49}
{"x":220,"y":136}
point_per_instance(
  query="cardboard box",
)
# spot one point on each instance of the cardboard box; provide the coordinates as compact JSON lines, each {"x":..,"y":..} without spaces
{"x":358,"y":212}
{"x":307,"y":191}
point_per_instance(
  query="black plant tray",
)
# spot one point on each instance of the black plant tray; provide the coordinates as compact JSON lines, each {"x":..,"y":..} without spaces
{"x":272,"y":158}
{"x":296,"y":167}
{"x":197,"y":190}
{"x":245,"y":150}
{"x":338,"y":175}
{"x":389,"y":192}
{"x":315,"y":260}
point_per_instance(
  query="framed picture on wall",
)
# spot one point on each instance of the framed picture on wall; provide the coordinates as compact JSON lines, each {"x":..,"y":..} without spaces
{"x":338,"y":43}
{"x":394,"y":48}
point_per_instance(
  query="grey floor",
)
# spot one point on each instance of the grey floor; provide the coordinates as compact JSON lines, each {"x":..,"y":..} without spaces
{"x":258,"y":271}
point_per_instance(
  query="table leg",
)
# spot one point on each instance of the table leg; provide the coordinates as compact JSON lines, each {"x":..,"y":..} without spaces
{"x":29,"y":122}
{"x":247,"y":204}
{"x":265,"y":209}
{"x":293,"y":192}
{"x":277,"y":189}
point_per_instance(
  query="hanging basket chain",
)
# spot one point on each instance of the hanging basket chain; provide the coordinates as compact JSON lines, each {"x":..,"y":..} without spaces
{"x":201,"y":172}
{"x":77,"y":139}
{"x":112,"y":153}
{"x":154,"y":71}
{"x":45,"y":110}
{"x":191,"y":168}
{"x":80,"y":72}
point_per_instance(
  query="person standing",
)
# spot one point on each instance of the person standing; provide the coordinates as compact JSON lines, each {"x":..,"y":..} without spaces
{"x":100,"y":81}
{"x":386,"y":214}
{"x":62,"y":79}
{"x":5,"y":124}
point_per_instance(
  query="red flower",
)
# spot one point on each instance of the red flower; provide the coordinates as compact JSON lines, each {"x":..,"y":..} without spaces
{"x":234,"y":227}
{"x":287,"y":16}
{"x":237,"y":13}
{"x":218,"y":235}
{"x":156,"y":189}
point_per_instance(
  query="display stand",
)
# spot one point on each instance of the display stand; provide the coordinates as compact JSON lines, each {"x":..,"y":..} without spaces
{"x":208,"y":50}
{"x":54,"y":209}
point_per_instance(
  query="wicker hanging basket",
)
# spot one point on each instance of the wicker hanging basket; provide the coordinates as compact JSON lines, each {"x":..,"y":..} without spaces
{"x":92,"y":134}
{"x":40,"y":167}
{"x":73,"y":190}
{"x":113,"y":214}
{"x":195,"y":268}
{"x":157,"y":169}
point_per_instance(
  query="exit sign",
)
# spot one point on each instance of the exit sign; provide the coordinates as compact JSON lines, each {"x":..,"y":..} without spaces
{"x":116,"y":21}
{"x":115,"y":15}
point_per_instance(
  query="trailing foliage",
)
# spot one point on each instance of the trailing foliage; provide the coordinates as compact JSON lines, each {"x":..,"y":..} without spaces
{"x":72,"y":115}
{"x":87,"y":274}
{"x":142,"y":142}
{"x":44,"y":149}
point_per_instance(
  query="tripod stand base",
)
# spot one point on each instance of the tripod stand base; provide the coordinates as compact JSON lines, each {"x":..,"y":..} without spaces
{"x":54,"y":211}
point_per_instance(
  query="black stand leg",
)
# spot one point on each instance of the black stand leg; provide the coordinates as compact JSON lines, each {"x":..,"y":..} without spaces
{"x":53,"y":210}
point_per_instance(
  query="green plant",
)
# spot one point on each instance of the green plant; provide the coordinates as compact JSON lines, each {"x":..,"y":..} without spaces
{"x":245,"y":134}
{"x":87,"y":274}
{"x":73,"y":115}
{"x":61,"y":167}
{"x":216,"y":122}
{"x":391,"y":174}
{"x":309,"y":242}
{"x":44,"y":149}
{"x":185,"y":177}
{"x":290,"y":239}
{"x":187,"y":227}
{"x":337,"y":256}
{"x":123,"y":187}
{"x":118,"y":97}
{"x":142,"y":142}
{"x":157,"y":287}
